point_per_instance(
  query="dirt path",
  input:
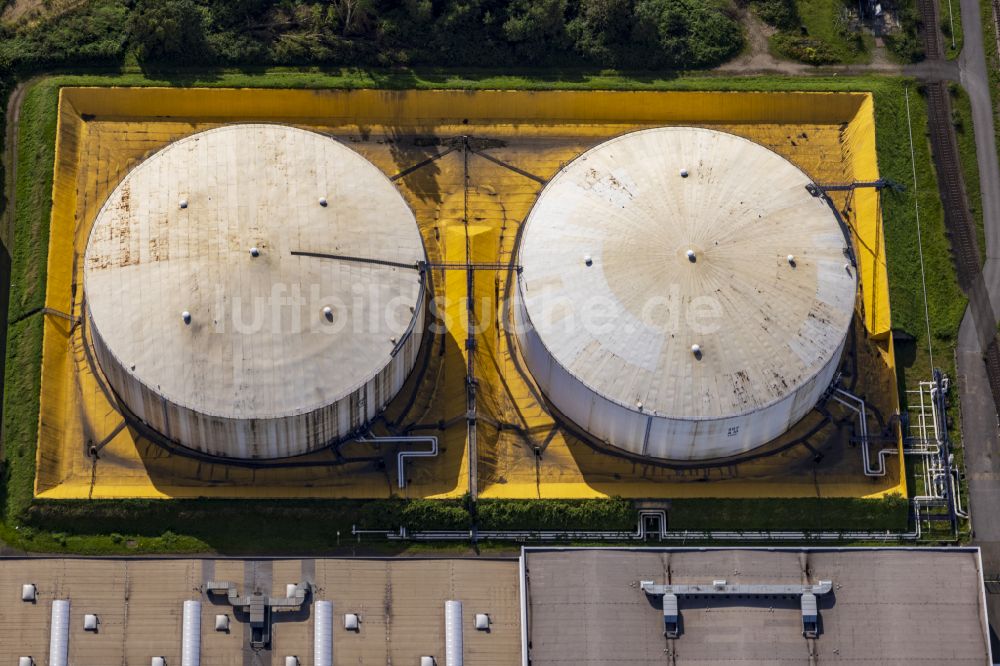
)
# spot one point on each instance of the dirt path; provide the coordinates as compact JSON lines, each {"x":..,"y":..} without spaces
{"x":13,"y":118}
{"x":757,"y":58}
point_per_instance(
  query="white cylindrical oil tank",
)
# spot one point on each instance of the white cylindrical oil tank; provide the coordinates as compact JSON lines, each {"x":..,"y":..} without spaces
{"x":682,"y":294}
{"x":255,"y":291}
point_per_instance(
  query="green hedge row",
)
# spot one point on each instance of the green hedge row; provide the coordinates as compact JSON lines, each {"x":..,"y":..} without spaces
{"x":611,"y":514}
{"x":222,"y":521}
{"x":814,"y":514}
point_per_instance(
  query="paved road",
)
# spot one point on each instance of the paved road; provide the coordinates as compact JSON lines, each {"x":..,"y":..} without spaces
{"x":979,"y":418}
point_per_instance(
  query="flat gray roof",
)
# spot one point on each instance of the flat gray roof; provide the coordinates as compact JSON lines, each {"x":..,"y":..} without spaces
{"x":139,"y":602}
{"x":888,"y":606}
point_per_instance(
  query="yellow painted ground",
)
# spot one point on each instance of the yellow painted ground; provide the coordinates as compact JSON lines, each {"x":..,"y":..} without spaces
{"x":522,"y":452}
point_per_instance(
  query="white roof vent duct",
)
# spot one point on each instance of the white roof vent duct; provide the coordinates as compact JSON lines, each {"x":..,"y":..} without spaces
{"x":292,"y":660}
{"x":453,"y":643}
{"x":222,"y":622}
{"x":191,"y":634}
{"x":59,"y":636}
{"x":427,"y":661}
{"x":25,"y":661}
{"x":158,"y":661}
{"x":323,"y":634}
{"x":29,"y":592}
{"x":482,"y":621}
{"x":352,"y":622}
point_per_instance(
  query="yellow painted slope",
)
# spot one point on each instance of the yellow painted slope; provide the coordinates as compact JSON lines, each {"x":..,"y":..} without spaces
{"x":468,"y":208}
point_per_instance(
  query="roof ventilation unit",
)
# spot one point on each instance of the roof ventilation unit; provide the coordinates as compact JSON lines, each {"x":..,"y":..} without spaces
{"x":323,"y":634}
{"x":352,"y":622}
{"x":59,"y":634}
{"x":292,"y":660}
{"x":158,"y":661}
{"x":29,"y":592}
{"x":427,"y":661}
{"x":191,"y":634}
{"x":671,"y":617}
{"x":482,"y":621}
{"x":453,"y":643}
{"x":222,"y":622}
{"x":25,"y":661}
{"x":810,"y":616}
{"x":90,"y":622}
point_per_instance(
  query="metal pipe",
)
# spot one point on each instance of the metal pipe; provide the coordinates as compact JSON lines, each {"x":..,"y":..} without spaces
{"x":957,"y":505}
{"x":403,"y":455}
{"x":857,"y":405}
{"x":640,"y":533}
{"x":524,"y":609}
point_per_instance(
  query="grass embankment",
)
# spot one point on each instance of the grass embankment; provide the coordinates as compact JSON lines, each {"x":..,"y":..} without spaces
{"x":827,"y":21}
{"x":950,"y":22}
{"x":817,"y":32}
{"x":22,"y":383}
{"x":260,"y":527}
{"x":945,"y":301}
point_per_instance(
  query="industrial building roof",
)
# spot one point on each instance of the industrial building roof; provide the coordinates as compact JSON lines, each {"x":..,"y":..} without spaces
{"x":138,"y":603}
{"x":196,"y":282}
{"x":686,"y":272}
{"x":887,"y":606}
{"x":583,"y":606}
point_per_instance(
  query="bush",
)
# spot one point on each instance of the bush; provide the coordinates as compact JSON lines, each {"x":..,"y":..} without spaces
{"x":91,"y":34}
{"x":782,"y":14}
{"x":809,"y":514}
{"x":906,"y":43}
{"x":584,"y":515}
{"x":171,"y":30}
{"x":804,"y":49}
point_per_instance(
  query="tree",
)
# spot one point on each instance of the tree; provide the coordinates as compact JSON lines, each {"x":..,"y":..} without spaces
{"x":535,"y":27}
{"x":167,"y":30}
{"x":602,"y":31}
{"x":690,"y":33}
{"x":354,"y":15}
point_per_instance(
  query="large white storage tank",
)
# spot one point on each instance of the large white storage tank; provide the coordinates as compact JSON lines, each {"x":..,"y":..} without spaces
{"x":683,"y":295}
{"x":255,"y":291}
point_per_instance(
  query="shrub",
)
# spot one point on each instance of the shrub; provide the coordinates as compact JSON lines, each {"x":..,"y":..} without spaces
{"x":614,"y":514}
{"x":804,"y":49}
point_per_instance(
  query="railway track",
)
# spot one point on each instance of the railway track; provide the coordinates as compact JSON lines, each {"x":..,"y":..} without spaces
{"x":958,"y":219}
{"x":931,"y":37}
{"x":959,"y":223}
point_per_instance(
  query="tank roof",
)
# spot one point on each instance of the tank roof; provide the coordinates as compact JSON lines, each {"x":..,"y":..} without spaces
{"x":686,"y":272}
{"x":194,"y":285}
